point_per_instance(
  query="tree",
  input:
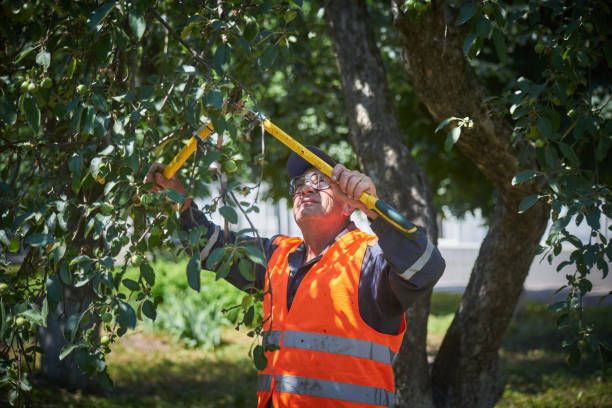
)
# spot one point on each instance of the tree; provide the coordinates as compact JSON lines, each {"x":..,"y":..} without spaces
{"x":91,"y":94}
{"x":434,"y":48}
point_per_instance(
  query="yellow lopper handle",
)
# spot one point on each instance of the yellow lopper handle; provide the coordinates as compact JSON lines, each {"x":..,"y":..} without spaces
{"x":383,"y":209}
{"x":187,"y":150}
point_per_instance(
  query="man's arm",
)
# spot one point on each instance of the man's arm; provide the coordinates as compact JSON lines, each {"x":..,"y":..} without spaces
{"x":192,"y":217}
{"x":415,"y":265}
{"x":395,"y":272}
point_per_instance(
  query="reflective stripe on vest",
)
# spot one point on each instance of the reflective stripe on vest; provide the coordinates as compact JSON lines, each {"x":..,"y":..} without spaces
{"x":327,"y":389}
{"x":331,"y":344}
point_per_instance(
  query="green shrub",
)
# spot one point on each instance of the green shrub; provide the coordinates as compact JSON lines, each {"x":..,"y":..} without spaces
{"x":197,"y":318}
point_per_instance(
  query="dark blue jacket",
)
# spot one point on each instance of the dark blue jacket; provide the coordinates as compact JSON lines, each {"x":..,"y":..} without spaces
{"x":395,"y":271}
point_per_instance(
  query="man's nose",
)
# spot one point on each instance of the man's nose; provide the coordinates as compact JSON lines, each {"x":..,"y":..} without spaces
{"x":307,"y":188}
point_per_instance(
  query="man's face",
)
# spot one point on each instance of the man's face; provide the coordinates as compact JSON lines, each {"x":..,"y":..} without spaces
{"x":316,"y":203}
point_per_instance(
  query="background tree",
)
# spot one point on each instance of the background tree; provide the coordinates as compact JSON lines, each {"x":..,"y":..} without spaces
{"x":92,"y":93}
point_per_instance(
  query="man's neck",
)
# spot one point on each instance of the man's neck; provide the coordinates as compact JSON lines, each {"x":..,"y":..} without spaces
{"x":317,"y":238}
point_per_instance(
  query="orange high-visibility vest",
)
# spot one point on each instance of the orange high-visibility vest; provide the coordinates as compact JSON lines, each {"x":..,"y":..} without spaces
{"x":328,"y":356}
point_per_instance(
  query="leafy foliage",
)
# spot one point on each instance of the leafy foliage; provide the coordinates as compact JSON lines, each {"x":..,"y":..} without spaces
{"x":562,"y":109}
{"x":91,"y":93}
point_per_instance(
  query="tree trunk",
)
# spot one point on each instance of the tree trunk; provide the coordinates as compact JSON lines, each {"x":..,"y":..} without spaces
{"x":376,"y":138}
{"x":64,"y":373}
{"x":466,"y":369}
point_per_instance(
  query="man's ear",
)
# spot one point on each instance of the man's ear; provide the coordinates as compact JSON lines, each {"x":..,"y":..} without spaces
{"x":348,"y":209}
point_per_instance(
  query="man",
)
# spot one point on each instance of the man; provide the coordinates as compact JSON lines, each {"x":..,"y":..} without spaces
{"x":335,"y":300}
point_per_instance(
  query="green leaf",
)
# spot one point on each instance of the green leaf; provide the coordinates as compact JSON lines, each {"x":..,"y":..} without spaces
{"x":35,"y":316}
{"x":79,"y":259}
{"x":523,"y":176}
{"x":24,"y":53}
{"x":148,"y":308}
{"x":246,"y":270}
{"x":86,"y":361}
{"x":214,"y":257}
{"x":38,"y":240}
{"x":43,"y":59}
{"x":193,"y":272}
{"x":592,"y":218}
{"x":574,"y":357}
{"x":131,"y":284}
{"x":14,"y":245}
{"x":32,"y":113}
{"x":229,"y":214}
{"x":452,"y":138}
{"x":94,"y":166}
{"x":126,"y":316}
{"x":469,"y":42}
{"x":8,"y":113}
{"x":259,"y":359}
{"x":138,"y":25}
{"x":68,"y":348}
{"x":54,"y":288}
{"x":268,"y":57}
{"x":221,"y":59}
{"x":550,"y":156}
{"x":557,"y":307}
{"x":602,"y":148}
{"x":100,"y":14}
{"x":467,"y":11}
{"x":174,"y":195}
{"x":500,"y":46}
{"x":445,"y":122}
{"x":72,"y":325}
{"x":255,"y":255}
{"x":147,"y":273}
{"x":249,"y":315}
{"x":544,"y":127}
{"x":214,"y":98}
{"x":527,"y":202}
{"x":64,"y":274}
{"x":105,"y":380}
{"x":569,"y":154}
{"x":244,"y":44}
{"x":87,"y":119}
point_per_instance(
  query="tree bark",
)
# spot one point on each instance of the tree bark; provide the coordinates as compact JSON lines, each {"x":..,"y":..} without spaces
{"x":64,"y":373}
{"x":377,"y":140}
{"x":466,"y":370}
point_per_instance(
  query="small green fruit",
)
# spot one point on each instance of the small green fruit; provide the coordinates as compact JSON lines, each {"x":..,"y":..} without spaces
{"x":136,"y":260}
{"x":539,"y":48}
{"x":588,"y":27}
{"x":46,"y":83}
{"x":31,"y":87}
{"x":20,"y":322}
{"x":24,"y":86}
{"x":107,"y":317}
{"x":81,"y":90}
{"x":230,"y":166}
{"x":3,"y":287}
{"x":489,"y":10}
{"x":104,"y":340}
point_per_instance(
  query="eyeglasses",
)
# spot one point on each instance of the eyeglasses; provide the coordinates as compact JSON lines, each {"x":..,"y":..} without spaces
{"x":315,"y":180}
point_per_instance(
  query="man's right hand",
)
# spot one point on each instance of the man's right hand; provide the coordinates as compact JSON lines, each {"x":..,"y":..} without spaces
{"x":160,"y":182}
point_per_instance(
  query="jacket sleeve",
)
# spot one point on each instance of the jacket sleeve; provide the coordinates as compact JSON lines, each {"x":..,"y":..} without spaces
{"x":193,"y":217}
{"x":408,"y":269}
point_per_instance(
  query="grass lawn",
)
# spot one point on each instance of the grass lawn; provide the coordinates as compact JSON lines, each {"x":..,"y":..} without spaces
{"x":154,"y":369}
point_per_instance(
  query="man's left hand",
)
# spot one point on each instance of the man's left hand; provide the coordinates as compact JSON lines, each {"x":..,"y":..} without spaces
{"x":350,"y":185}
